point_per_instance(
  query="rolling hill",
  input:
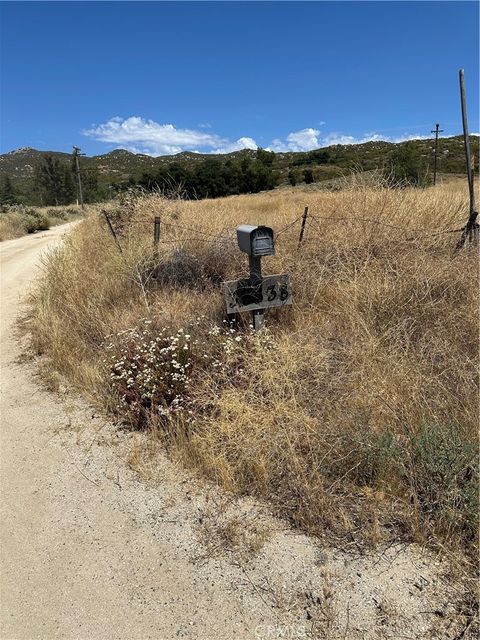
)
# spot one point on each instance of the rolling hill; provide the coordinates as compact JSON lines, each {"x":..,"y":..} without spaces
{"x":121,"y":165}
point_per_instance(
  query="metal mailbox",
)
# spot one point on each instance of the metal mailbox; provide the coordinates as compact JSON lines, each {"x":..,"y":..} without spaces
{"x":256,"y":241}
{"x":256,"y":293}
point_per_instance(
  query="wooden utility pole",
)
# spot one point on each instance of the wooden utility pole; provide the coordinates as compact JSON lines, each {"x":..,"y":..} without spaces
{"x":436,"y":131}
{"x":76,"y":155}
{"x":466,"y":139}
{"x":470,"y":230}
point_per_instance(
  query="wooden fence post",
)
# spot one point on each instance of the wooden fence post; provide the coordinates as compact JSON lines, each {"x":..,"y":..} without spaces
{"x":302,"y":230}
{"x":156,"y":231}
{"x":112,"y":230}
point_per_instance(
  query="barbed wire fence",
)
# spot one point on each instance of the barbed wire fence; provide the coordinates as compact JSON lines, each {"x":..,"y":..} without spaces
{"x":302,"y":224}
{"x":222,"y":261}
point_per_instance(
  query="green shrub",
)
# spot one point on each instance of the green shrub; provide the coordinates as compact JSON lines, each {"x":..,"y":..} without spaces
{"x":435,"y":470}
{"x":378,"y":457}
{"x":18,"y":220}
{"x":443,"y":476}
{"x":36,"y":220}
{"x":42,"y":220}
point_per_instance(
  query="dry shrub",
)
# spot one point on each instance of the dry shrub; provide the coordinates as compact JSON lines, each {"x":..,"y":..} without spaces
{"x":18,"y":220}
{"x":356,"y":412}
{"x":12,"y":225}
{"x":221,"y":528}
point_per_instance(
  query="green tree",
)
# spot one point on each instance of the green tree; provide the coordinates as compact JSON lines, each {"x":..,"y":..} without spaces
{"x":7,"y":192}
{"x":49,"y":180}
{"x":170,"y":179}
{"x":213,"y":178}
{"x":308,"y":176}
{"x":68,"y":186}
{"x":319,"y":156}
{"x":89,"y":184}
{"x":292,"y":178}
{"x":265,"y":157}
{"x":406,"y":165}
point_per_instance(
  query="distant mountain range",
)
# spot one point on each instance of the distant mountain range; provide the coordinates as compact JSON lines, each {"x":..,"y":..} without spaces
{"x":121,"y":165}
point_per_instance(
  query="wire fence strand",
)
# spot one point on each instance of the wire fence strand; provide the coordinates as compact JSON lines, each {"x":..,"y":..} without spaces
{"x":314,"y":222}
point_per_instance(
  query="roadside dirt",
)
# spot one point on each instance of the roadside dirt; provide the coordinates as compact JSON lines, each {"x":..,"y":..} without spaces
{"x":91,"y":550}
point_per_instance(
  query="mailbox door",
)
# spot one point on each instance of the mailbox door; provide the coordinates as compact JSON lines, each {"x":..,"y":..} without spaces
{"x":262,"y":243}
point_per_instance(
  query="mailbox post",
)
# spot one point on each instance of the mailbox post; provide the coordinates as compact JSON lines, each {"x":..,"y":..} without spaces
{"x":256,"y":293}
{"x":258,"y":315}
{"x":256,"y":242}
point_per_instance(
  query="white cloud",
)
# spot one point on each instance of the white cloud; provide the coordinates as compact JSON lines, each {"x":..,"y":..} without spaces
{"x":241,"y":143}
{"x":406,"y":137}
{"x":339,"y":138}
{"x":303,"y":140}
{"x":308,"y":139}
{"x":147,"y":136}
{"x":150,"y":137}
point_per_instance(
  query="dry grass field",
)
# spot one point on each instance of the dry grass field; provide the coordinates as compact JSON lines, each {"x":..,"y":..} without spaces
{"x":354,"y":414}
{"x":18,"y":220}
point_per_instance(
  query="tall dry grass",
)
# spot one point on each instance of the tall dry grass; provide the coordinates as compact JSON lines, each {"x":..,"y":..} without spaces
{"x":356,"y":414}
{"x":19,"y":220}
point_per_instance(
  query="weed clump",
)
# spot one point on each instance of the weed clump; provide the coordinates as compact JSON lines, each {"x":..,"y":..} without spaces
{"x":441,"y":466}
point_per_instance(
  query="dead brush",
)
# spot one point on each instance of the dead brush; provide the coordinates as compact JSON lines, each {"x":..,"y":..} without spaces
{"x":224,"y":528}
{"x":342,"y":421}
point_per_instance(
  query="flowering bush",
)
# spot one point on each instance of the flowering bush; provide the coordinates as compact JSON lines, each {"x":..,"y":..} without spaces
{"x":149,"y":370}
{"x":228,"y":347}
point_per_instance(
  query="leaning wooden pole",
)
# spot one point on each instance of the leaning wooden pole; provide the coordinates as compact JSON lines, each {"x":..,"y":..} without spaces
{"x":471,"y":228}
{"x":302,"y":230}
{"x":112,"y":230}
{"x":466,"y":138}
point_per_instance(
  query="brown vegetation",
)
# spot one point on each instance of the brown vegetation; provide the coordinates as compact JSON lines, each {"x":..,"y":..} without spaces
{"x":18,"y":220}
{"x":354,"y":414}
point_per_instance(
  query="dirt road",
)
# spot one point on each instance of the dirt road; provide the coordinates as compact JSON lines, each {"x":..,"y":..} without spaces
{"x":74,"y":564}
{"x":88,"y":551}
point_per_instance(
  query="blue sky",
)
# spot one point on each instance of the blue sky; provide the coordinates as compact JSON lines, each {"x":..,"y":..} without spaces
{"x":161,"y":77}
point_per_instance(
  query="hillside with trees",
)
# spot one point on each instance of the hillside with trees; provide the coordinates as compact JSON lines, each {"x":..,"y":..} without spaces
{"x":33,"y":177}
